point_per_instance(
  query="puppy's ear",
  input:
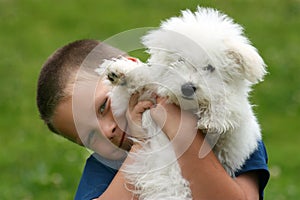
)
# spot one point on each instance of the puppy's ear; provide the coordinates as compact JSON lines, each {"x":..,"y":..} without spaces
{"x":249,"y":62}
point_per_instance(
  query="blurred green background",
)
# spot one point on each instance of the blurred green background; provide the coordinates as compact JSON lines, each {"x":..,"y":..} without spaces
{"x":36,"y":164}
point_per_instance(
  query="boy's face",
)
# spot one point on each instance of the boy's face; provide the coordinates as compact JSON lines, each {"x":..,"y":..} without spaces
{"x":87,"y":119}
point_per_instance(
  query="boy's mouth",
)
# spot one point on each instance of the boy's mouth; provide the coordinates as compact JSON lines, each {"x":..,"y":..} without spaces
{"x":122,"y":139}
{"x":123,"y":135}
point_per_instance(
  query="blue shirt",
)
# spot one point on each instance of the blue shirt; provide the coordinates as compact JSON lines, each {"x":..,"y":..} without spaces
{"x":97,"y":175}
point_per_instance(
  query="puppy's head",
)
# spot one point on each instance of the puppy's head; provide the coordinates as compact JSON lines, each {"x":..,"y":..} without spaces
{"x":211,"y":55}
{"x":206,"y":37}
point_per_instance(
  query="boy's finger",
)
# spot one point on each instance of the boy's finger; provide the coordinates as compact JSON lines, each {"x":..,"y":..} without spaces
{"x":142,"y":106}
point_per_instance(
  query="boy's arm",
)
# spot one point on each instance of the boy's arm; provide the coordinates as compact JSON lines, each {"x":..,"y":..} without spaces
{"x":118,"y":188}
{"x":209,"y":180}
{"x":207,"y":177}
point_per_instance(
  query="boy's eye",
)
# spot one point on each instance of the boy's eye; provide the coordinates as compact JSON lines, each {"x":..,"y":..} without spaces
{"x":102,"y":107}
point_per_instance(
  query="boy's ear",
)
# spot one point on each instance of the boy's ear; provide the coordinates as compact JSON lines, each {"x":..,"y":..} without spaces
{"x":251,"y":65}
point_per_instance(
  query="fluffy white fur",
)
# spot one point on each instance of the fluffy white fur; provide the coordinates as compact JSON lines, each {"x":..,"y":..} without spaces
{"x":203,"y":62}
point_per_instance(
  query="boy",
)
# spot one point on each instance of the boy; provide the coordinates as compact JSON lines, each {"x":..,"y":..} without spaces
{"x":68,"y":108}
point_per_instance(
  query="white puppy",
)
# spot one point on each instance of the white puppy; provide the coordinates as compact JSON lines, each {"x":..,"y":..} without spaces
{"x":203,"y":62}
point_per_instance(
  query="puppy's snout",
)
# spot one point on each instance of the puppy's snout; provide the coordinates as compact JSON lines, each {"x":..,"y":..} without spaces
{"x":188,"y":89}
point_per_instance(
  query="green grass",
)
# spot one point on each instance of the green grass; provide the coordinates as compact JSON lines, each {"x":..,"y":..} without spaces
{"x":35,"y":164}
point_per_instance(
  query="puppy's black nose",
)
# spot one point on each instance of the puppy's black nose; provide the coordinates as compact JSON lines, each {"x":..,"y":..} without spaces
{"x":188,"y":89}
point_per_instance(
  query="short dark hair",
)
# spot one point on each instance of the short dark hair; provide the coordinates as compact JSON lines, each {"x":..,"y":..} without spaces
{"x":60,"y":67}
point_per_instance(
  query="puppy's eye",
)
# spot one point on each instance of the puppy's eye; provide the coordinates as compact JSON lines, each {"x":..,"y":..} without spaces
{"x":209,"y":67}
{"x":102,"y":107}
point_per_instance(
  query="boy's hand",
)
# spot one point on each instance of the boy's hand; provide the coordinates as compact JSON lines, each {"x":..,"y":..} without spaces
{"x":172,"y":119}
{"x":134,"y":114}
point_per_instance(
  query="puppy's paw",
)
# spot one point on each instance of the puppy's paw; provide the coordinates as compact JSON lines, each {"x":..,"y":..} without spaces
{"x":116,"y":77}
{"x":118,"y":70}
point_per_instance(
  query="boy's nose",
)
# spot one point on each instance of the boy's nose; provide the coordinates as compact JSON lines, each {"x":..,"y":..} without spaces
{"x":109,"y":129}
